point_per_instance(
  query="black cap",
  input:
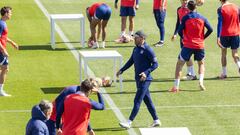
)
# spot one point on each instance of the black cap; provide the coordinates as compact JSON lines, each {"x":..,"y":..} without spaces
{"x":140,"y":33}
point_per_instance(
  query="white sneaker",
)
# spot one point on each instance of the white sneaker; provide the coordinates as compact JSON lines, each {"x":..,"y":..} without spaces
{"x":202,"y":87}
{"x":4,"y":94}
{"x":156,"y":123}
{"x":103,"y":44}
{"x":125,"y":125}
{"x":95,"y":45}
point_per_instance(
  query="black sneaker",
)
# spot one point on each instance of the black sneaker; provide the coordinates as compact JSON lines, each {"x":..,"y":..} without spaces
{"x":190,"y":77}
{"x":159,"y":44}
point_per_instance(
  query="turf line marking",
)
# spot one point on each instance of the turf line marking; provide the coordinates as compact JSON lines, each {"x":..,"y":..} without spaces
{"x":14,"y":111}
{"x":157,"y":107}
{"x":183,"y":106}
{"x":109,"y":100}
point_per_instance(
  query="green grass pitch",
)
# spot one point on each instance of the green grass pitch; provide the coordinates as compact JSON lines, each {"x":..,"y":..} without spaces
{"x":38,"y":72}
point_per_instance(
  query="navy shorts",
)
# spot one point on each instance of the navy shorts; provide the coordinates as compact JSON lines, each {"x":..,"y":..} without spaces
{"x":3,"y":60}
{"x":103,"y":12}
{"x":127,"y":11}
{"x":186,"y":54}
{"x":230,"y":41}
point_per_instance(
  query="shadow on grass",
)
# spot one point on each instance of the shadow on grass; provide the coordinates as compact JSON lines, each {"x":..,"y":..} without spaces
{"x":154,"y":80}
{"x":134,"y":92}
{"x":119,"y":46}
{"x":60,"y":42}
{"x":231,"y":78}
{"x":40,"y":47}
{"x":49,"y":48}
{"x":116,"y":128}
{"x":35,"y":47}
{"x":71,"y":42}
{"x":108,"y":129}
{"x":193,"y":90}
{"x":52,"y":90}
{"x":64,"y":48}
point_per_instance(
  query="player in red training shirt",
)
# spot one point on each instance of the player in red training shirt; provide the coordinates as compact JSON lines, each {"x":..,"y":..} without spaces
{"x":192,"y":33}
{"x":182,"y":11}
{"x":51,"y":123}
{"x":128,"y":9}
{"x":6,"y":13}
{"x":159,"y":10}
{"x":228,"y":32}
{"x":75,"y":109}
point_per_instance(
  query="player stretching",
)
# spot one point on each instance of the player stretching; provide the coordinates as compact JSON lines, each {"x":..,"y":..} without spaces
{"x":127,"y":9}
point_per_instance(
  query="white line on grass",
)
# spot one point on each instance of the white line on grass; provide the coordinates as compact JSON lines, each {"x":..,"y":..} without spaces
{"x":184,"y":106}
{"x":75,"y":53}
{"x":157,"y":107}
{"x":14,"y":111}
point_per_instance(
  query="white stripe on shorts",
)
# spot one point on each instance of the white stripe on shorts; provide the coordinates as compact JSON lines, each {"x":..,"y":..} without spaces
{"x":4,"y":59}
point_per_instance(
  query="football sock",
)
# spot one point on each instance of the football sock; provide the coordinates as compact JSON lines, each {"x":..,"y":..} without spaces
{"x":189,"y":70}
{"x":176,"y":83}
{"x":130,"y":33}
{"x":1,"y":88}
{"x":201,"y":76}
{"x":103,"y":44}
{"x":238,"y":64}
{"x":224,"y":70}
{"x":122,"y":33}
{"x":129,"y":122}
{"x":192,"y":71}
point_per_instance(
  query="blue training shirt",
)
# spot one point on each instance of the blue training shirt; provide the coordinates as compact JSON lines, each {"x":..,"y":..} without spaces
{"x":144,"y":60}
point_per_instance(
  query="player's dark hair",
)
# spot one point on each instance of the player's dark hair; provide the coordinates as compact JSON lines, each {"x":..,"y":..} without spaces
{"x":5,"y":10}
{"x":223,"y":0}
{"x":88,"y":85}
{"x":191,"y":5}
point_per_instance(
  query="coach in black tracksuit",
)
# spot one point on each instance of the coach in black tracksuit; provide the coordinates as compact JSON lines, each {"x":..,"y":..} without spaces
{"x":145,"y":62}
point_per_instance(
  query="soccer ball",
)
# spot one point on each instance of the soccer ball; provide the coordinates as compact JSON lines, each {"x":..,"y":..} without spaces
{"x":125,"y":38}
{"x":104,"y":81}
{"x":90,"y":43}
{"x":99,"y":81}
{"x":199,"y":2}
{"x":107,"y":81}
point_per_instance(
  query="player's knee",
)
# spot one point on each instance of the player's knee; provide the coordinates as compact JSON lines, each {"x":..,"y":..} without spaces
{"x":200,"y":62}
{"x":5,"y":69}
{"x":235,"y":55}
{"x":131,"y":20}
{"x":91,"y":132}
